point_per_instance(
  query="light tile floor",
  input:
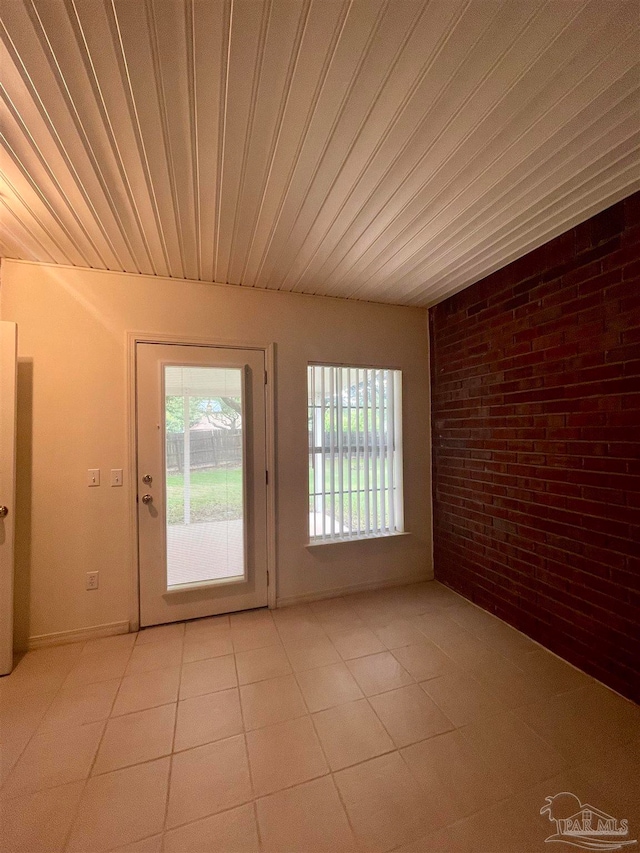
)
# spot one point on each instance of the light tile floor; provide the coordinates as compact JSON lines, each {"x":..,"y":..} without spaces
{"x":403,"y":719}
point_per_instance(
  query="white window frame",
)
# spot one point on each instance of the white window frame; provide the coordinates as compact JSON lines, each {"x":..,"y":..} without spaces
{"x":373,"y":394}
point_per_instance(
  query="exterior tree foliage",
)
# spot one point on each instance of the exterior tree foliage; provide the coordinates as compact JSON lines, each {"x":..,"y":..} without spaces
{"x":220,"y":412}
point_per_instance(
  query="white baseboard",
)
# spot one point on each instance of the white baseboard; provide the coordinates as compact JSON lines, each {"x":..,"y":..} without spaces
{"x":289,"y":600}
{"x":61,"y":638}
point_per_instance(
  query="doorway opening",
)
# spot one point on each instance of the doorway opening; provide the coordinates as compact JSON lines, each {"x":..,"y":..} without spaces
{"x":201,"y":482}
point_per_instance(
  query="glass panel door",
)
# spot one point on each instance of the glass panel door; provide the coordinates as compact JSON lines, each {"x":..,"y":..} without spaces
{"x":201,"y":472}
{"x":204,"y":469}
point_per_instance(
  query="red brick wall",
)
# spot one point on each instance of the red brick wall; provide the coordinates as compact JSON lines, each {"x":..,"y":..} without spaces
{"x":536,"y":444}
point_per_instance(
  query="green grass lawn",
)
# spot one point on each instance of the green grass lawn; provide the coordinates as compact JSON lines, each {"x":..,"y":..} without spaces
{"x":215,"y":495}
{"x":358,"y":500}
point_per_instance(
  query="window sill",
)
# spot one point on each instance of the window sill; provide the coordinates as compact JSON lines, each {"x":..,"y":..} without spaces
{"x":323,"y":543}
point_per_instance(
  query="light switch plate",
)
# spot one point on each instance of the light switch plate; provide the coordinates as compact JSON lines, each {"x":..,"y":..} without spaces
{"x":116,"y":476}
{"x":93,"y":477}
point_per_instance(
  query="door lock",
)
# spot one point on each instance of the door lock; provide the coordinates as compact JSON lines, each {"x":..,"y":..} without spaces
{"x":147,"y":479}
{"x":146,"y":499}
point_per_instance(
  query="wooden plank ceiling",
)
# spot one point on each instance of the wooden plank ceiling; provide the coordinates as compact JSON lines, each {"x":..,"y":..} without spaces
{"x":386,"y":150}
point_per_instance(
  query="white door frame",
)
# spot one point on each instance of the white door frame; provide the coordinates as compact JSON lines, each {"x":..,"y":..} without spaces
{"x":269,"y":350}
{"x":8,"y":439}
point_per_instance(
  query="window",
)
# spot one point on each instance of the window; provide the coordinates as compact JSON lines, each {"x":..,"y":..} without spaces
{"x":355,"y":452}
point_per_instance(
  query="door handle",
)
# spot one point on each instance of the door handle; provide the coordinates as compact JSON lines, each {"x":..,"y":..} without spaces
{"x":146,"y":499}
{"x":4,"y":511}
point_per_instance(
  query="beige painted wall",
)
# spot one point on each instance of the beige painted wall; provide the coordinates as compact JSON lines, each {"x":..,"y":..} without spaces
{"x":73,"y":416}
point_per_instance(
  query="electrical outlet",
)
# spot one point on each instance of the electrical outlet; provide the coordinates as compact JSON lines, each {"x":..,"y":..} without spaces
{"x":92,"y":580}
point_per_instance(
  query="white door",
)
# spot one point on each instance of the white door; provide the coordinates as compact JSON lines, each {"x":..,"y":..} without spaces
{"x":8,"y":386}
{"x":201,"y":469}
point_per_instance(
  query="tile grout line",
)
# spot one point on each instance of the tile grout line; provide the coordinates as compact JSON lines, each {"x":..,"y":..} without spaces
{"x":73,"y":823}
{"x":48,"y":731}
{"x":46,"y":711}
{"x":511,"y":712}
{"x":331,"y":772}
{"x":398,"y":749}
{"x":163,"y":830}
{"x":246,"y":748}
{"x":178,"y":826}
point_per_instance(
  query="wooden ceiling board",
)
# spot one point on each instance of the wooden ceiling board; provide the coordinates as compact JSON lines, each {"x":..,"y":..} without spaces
{"x":323,"y":26}
{"x":498,"y":141}
{"x":386,"y":150}
{"x":434,"y":106}
{"x":384,"y":135}
{"x":529,"y":194}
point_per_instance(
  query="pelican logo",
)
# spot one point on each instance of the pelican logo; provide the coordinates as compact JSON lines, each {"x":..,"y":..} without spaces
{"x":583,"y":826}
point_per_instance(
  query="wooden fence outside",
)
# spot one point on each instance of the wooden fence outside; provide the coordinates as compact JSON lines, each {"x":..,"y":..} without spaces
{"x":208,"y":449}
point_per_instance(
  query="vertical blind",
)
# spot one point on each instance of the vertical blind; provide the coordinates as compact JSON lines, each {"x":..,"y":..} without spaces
{"x":355,"y":452}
